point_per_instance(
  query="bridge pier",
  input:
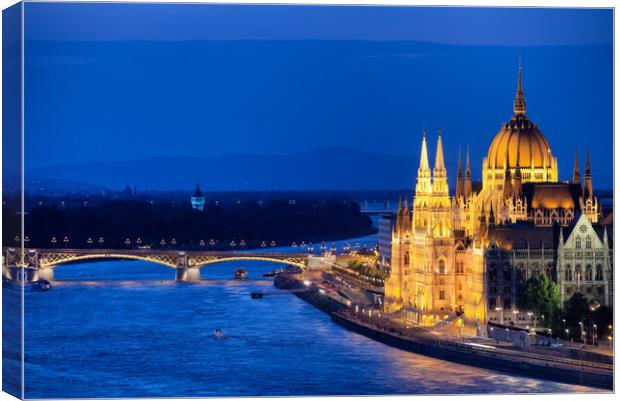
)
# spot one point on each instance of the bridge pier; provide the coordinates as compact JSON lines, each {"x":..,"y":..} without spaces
{"x":187,"y":273}
{"x":17,"y":273}
{"x":43,"y":274}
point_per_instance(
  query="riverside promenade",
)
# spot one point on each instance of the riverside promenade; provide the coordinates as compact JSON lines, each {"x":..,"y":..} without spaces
{"x":330,"y":297}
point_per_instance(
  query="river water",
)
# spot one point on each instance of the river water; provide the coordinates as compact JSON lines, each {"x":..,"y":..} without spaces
{"x":127,"y":329}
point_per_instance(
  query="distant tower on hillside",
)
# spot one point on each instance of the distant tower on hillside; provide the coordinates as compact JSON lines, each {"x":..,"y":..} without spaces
{"x":198,"y":199}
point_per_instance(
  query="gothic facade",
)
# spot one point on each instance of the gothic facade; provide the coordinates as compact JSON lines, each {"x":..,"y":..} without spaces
{"x":470,"y":254}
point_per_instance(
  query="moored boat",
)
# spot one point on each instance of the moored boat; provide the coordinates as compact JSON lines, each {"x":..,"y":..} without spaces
{"x":41,"y":285}
{"x":241,"y":274}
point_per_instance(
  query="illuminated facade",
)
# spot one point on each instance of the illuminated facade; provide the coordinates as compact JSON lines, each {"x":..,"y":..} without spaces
{"x":436,"y":271}
{"x":471,"y":254}
{"x":198,"y":199}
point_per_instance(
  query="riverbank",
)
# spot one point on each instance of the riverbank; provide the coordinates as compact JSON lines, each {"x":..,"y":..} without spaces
{"x":421,"y":341}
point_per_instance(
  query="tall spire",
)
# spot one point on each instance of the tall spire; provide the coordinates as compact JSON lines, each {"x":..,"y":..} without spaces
{"x":439,"y":164}
{"x":587,"y":178}
{"x":424,"y":155}
{"x":519,"y":103}
{"x":423,"y":180}
{"x":467,"y":189}
{"x":576,"y":175}
{"x":459,"y":177}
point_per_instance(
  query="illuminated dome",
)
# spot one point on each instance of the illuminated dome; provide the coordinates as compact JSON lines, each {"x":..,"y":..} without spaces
{"x":519,"y":145}
{"x":520,"y":138}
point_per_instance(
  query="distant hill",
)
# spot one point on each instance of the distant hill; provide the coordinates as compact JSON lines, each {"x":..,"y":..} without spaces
{"x":334,"y":168}
{"x":48,"y":186}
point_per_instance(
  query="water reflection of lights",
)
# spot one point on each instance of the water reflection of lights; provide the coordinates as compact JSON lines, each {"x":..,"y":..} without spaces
{"x":480,"y":345}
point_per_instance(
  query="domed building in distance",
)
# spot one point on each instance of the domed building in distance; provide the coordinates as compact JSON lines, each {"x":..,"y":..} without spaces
{"x":471,"y":254}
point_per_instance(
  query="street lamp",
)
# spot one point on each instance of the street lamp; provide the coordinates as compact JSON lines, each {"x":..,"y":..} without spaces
{"x":594,"y":336}
{"x":139,"y":241}
{"x":100,"y":241}
{"x":566,"y":331}
{"x":89,"y":241}
{"x":162,"y":242}
{"x":127,"y":242}
{"x":65,"y":240}
{"x":498,"y":309}
{"x":54,"y":241}
{"x":582,"y":332}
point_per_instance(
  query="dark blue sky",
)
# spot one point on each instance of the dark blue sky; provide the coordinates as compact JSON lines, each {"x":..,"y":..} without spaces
{"x":130,"y":81}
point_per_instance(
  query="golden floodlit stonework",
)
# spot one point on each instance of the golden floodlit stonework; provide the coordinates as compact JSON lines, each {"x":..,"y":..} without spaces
{"x":439,"y":263}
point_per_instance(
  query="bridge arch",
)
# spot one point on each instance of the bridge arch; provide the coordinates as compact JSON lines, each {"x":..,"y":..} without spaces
{"x":252,"y":258}
{"x":53,"y":262}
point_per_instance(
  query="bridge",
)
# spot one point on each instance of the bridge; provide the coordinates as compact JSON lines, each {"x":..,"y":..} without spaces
{"x":38,"y":264}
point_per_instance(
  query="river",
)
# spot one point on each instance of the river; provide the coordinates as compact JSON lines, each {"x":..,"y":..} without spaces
{"x":127,"y":329}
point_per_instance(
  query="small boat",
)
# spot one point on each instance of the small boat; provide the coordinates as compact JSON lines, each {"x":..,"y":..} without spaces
{"x":241,"y":274}
{"x":41,"y":285}
{"x":269,"y":274}
{"x":257,"y":295}
{"x":218,"y":333}
{"x":290,"y":269}
{"x":6,"y":282}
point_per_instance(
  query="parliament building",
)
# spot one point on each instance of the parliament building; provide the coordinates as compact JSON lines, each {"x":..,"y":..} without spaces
{"x":471,"y":254}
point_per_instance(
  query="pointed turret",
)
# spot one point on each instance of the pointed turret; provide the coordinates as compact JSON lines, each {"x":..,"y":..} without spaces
{"x":576,"y":175}
{"x":399,"y":212}
{"x":423,"y":185}
{"x":491,"y":215}
{"x":587,"y":179}
{"x":519,"y":103}
{"x":459,"y":178}
{"x":424,"y":166}
{"x":467,"y":189}
{"x":507,"y":181}
{"x":440,"y":167}
{"x":406,"y":218}
{"x":516,"y":185}
{"x":197,"y":191}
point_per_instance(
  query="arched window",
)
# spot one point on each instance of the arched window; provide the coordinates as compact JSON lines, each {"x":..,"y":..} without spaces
{"x":578,"y":242}
{"x":588,"y":272}
{"x":568,"y":273}
{"x":578,"y":275}
{"x":599,"y":273}
{"x":406,"y":258}
{"x":442,"y":266}
{"x":588,"y":242}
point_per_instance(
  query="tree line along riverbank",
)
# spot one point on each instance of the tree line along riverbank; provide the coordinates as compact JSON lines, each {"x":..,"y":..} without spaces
{"x":131,"y":223}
